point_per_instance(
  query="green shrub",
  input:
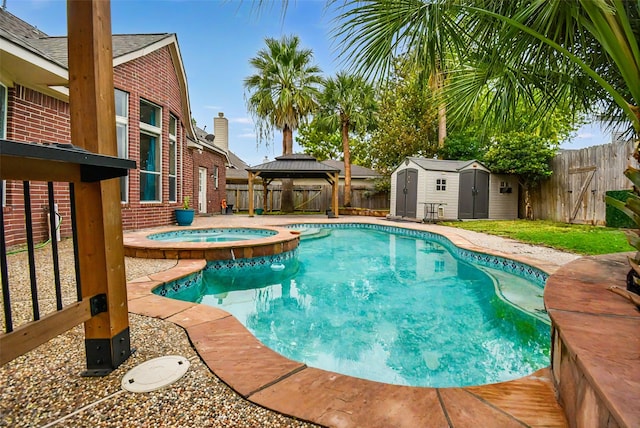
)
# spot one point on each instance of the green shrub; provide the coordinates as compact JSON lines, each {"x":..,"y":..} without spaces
{"x":615,"y":217}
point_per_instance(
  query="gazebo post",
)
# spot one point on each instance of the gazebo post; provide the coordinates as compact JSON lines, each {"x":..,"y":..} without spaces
{"x":334,"y":193}
{"x":251,"y":176}
{"x":265,"y":183}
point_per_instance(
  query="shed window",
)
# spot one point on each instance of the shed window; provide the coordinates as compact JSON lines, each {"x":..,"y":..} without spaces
{"x":441,"y":184}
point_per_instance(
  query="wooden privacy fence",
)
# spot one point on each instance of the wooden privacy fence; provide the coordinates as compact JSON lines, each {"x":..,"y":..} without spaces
{"x":306,"y":198}
{"x":575,"y":193}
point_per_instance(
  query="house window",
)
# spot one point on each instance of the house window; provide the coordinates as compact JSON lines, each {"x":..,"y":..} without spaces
{"x":441,"y":184}
{"x":150,"y":156}
{"x":215,"y":177}
{"x":122,"y":136}
{"x":173,"y":159}
{"x":439,"y":266}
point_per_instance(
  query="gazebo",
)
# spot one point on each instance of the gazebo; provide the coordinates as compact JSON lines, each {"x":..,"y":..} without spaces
{"x":293,"y":166}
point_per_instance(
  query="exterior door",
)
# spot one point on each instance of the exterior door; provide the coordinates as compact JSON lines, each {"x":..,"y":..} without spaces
{"x":202,"y":190}
{"x":473,"y":197}
{"x":407,"y":193}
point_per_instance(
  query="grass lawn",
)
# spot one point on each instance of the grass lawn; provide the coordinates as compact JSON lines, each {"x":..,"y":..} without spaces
{"x":575,"y":238}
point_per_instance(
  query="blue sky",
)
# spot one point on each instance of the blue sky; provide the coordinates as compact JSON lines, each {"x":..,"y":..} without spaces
{"x":217,"y":38}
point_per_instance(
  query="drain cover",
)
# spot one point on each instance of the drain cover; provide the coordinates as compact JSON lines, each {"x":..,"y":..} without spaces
{"x":155,"y":374}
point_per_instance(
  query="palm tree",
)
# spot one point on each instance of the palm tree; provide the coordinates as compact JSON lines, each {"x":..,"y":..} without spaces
{"x":373,"y":34}
{"x":347,"y":104}
{"x":281,"y":94}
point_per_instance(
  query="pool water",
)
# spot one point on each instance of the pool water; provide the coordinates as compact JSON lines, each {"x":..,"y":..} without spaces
{"x":211,"y":235}
{"x":389,"y":308}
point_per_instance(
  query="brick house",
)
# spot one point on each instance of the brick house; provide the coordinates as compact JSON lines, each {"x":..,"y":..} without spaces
{"x":153,"y":127}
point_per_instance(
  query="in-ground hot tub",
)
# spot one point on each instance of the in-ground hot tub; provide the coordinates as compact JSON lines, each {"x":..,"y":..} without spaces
{"x":228,"y":243}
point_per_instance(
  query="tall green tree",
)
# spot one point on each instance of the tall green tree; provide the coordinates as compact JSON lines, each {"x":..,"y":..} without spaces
{"x":407,"y":122}
{"x":283,"y":91}
{"x":524,"y":155}
{"x":323,"y":145}
{"x":347,"y":104}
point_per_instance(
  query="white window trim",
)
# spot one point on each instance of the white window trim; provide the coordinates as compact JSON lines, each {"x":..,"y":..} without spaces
{"x":216,"y":176}
{"x":3,"y":134}
{"x":159,"y":172}
{"x":124,"y":120}
{"x":5,"y":101}
{"x":173,"y":138}
{"x":153,"y":131}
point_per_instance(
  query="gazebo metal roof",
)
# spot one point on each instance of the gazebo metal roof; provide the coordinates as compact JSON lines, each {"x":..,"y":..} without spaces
{"x":294,"y":166}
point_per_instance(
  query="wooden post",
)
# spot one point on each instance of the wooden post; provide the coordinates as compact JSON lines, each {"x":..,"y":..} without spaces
{"x":99,"y":219}
{"x":264,"y":195}
{"x":334,"y":193}
{"x":251,"y":175}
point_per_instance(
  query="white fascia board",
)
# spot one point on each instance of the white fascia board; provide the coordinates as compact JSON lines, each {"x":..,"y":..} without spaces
{"x":33,"y":58}
{"x":144,"y":51}
{"x":171,"y":41}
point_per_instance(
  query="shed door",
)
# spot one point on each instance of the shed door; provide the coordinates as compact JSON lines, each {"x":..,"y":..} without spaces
{"x":473,"y":200}
{"x":407,"y":193}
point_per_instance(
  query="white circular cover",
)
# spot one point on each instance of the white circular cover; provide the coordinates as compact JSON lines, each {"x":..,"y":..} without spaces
{"x":155,"y":374}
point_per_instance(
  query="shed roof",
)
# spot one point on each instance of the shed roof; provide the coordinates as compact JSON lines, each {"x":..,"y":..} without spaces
{"x":443,"y":165}
{"x":293,"y":166}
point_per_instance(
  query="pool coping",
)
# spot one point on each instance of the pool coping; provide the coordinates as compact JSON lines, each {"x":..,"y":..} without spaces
{"x":137,"y":244}
{"x":266,"y":378}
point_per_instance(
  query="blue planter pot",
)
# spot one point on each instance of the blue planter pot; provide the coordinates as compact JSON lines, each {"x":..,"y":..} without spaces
{"x":184,"y":217}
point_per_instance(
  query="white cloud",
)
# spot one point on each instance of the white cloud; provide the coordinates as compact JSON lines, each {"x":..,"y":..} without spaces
{"x":245,"y":120}
{"x":212,"y":107}
{"x":247,"y":135}
{"x":584,"y":135}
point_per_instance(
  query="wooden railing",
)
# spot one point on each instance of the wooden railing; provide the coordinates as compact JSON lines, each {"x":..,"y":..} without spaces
{"x":27,"y":162}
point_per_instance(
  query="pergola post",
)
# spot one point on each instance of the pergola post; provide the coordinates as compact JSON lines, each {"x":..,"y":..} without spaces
{"x":265,"y":189}
{"x":251,"y":176}
{"x":334,"y":192}
{"x":98,"y":212}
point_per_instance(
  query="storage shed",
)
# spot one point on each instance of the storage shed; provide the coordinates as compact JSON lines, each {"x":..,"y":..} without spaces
{"x":433,"y":189}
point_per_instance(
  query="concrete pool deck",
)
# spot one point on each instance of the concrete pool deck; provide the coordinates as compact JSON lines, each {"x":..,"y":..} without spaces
{"x":268,"y":379}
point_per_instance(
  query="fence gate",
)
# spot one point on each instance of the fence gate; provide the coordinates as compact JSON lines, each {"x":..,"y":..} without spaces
{"x":581,"y":194}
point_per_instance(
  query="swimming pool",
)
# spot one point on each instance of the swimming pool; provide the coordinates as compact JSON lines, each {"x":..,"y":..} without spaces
{"x":387,"y":304}
{"x":211,"y":235}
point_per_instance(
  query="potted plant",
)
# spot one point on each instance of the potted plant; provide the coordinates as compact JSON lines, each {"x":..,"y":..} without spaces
{"x":184,"y":215}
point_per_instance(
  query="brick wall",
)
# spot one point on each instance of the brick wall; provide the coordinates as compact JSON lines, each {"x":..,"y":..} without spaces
{"x":35,"y":117}
{"x":209,"y":161}
{"x":38,"y":118}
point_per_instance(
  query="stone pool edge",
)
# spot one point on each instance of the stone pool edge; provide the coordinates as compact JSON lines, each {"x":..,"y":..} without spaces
{"x":268,"y":379}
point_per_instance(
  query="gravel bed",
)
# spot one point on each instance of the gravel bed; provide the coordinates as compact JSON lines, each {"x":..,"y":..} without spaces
{"x":44,"y":386}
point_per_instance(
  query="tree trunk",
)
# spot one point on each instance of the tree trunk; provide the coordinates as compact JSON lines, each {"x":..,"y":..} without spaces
{"x":286,"y":204}
{"x":442,"y":110}
{"x":442,"y":124}
{"x":347,"y":163}
{"x":436,"y":83}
